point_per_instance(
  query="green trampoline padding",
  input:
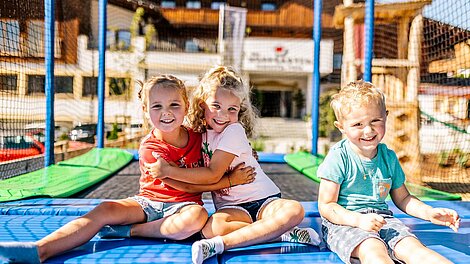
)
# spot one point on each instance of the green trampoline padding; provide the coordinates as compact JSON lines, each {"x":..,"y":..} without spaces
{"x":67,"y":177}
{"x":307,"y":164}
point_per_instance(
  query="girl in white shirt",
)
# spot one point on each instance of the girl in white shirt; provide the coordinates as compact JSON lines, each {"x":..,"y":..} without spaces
{"x":246,"y":214}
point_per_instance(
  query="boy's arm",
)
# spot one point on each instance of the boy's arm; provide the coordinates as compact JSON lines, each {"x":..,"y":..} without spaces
{"x":411,"y":205}
{"x":219,"y":164}
{"x":335,"y":213}
{"x":239,"y":175}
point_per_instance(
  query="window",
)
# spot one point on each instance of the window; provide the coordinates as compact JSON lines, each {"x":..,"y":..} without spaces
{"x":90,"y":86}
{"x":8,"y":83}
{"x":337,"y":60}
{"x":63,"y":84}
{"x":35,"y":41}
{"x":193,"y":4}
{"x":268,"y":6}
{"x":123,"y":39}
{"x":168,"y":4}
{"x":36,"y":84}
{"x":119,"y":86}
{"x":9,"y":37}
{"x":217,"y":4}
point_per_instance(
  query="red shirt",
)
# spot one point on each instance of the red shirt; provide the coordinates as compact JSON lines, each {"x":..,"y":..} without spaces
{"x":186,"y":157}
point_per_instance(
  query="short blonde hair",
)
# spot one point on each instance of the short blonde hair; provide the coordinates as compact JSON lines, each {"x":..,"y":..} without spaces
{"x":356,"y":94}
{"x":221,"y":77}
{"x":163,"y":80}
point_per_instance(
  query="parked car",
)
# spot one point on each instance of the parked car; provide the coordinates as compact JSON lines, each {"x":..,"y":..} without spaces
{"x":16,"y":146}
{"x":59,"y":131}
{"x":84,"y":133}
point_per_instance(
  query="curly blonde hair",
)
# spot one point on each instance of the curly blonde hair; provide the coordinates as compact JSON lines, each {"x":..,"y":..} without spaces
{"x":356,"y":94}
{"x":163,"y":80}
{"x":224,"y":78}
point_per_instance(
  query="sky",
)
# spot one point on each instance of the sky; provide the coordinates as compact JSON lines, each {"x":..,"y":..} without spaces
{"x":452,"y":12}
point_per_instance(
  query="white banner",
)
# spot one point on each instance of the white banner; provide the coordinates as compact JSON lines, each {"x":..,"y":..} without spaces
{"x":232,"y":23}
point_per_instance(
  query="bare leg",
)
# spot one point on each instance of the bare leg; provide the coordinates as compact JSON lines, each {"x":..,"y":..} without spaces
{"x":372,"y":251}
{"x":187,"y":221}
{"x":81,"y":230}
{"x":410,"y":250}
{"x":226,"y":221}
{"x":276,"y":218}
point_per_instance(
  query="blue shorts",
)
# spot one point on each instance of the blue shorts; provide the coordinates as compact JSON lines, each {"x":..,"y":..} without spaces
{"x":344,"y":239}
{"x":155,"y":210}
{"x":252,"y":208}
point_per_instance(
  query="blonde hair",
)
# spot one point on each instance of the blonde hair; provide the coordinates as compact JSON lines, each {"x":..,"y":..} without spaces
{"x":356,"y":94}
{"x":163,"y":80}
{"x":221,"y":77}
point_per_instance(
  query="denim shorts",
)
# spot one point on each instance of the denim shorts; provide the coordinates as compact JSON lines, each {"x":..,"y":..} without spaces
{"x":155,"y":210}
{"x":252,"y":208}
{"x":344,"y":239}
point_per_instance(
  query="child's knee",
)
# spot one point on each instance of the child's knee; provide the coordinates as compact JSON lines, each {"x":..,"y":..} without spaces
{"x":195,"y":215}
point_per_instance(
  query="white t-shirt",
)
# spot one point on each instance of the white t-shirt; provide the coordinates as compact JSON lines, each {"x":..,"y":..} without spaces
{"x":233,"y":140}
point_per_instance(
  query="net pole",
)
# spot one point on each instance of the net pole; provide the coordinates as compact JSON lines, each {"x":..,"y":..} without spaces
{"x":316,"y":73}
{"x":101,"y":71}
{"x":49,"y":81}
{"x":368,"y":39}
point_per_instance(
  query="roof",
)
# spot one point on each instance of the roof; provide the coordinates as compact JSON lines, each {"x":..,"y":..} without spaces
{"x":451,"y":91}
{"x":383,"y":12}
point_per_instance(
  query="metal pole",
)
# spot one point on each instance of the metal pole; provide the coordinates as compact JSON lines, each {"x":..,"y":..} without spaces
{"x":369,"y":40}
{"x":316,"y":73}
{"x":101,"y":71}
{"x":49,"y":20}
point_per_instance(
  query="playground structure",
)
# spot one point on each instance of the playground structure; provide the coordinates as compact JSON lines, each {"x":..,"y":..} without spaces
{"x":398,"y":69}
{"x":405,"y":66}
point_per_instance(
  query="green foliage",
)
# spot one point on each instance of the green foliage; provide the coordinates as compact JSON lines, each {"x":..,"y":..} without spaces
{"x":455,"y":156}
{"x":299,"y":101}
{"x":113,"y":134}
{"x":258,"y":144}
{"x":64,"y":136}
{"x":326,"y":116}
{"x":136,"y":20}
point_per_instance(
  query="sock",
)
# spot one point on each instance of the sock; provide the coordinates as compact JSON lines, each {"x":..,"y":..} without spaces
{"x":19,"y":252}
{"x":115,"y":231}
{"x":206,"y":248}
{"x":301,"y":235}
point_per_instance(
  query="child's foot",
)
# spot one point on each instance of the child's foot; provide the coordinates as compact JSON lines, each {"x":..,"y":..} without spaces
{"x":206,"y":248}
{"x":115,"y":231}
{"x":19,"y":252}
{"x":302,"y":235}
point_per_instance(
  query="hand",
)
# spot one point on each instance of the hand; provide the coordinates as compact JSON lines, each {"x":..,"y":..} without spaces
{"x":158,"y":169}
{"x":242,"y":175}
{"x":371,"y":222}
{"x":445,"y":217}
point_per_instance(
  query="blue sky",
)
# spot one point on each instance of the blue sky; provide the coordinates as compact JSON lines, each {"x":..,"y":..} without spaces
{"x":452,"y":12}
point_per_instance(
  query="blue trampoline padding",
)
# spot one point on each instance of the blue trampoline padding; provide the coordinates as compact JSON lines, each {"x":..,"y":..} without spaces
{"x":271,"y":157}
{"x":75,"y":207}
{"x":454,"y":246}
{"x":134,"y":152}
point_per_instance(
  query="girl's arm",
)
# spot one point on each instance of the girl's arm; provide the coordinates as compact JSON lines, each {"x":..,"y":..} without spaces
{"x":335,"y":213}
{"x":411,"y":205}
{"x":219,"y":164}
{"x":239,"y":175}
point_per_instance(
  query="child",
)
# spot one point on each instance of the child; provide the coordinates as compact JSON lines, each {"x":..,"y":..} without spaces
{"x":357,"y":175}
{"x":165,"y":104}
{"x":246,"y":214}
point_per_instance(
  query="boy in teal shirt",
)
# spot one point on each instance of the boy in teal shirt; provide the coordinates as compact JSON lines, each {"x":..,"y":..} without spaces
{"x":357,"y":175}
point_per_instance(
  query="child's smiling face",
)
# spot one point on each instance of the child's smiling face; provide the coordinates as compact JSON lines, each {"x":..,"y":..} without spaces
{"x":166,"y":108}
{"x":365,"y":127}
{"x":221,"y":109}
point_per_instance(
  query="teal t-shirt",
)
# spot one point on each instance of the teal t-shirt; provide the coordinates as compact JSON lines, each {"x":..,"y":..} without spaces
{"x":363,"y":183}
